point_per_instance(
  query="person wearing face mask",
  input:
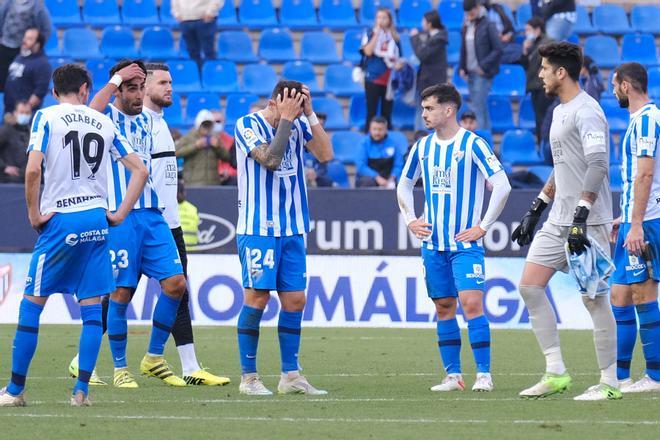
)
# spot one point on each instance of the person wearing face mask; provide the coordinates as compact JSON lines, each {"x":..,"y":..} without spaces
{"x":226,"y":168}
{"x":13,"y":139}
{"x":29,"y":73}
{"x":17,"y":16}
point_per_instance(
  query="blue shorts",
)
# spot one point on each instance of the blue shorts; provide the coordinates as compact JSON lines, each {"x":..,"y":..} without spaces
{"x":273,"y":263}
{"x":632,"y":269}
{"x":71,"y":256}
{"x":143,"y":244}
{"x":449,"y":272}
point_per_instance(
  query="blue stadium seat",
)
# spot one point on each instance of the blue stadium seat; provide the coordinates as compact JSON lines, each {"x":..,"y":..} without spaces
{"x":118,"y":42}
{"x":227,"y":17}
{"x":654,"y":82}
{"x":573,"y":38}
{"x":640,"y":48}
{"x":332,"y":108}
{"x":56,"y":62}
{"x":80,"y":43}
{"x":298,"y":14}
{"x":52,"y":47}
{"x":337,"y":14}
{"x":406,"y":45}
{"x":616,"y":181}
{"x":357,"y":111}
{"x":257,"y":13}
{"x":603,"y":50}
{"x":337,"y":172}
{"x":583,"y":24}
{"x":200,"y":101}
{"x":259,"y":79}
{"x":459,"y":83}
{"x":64,"y":13}
{"x":302,"y":71}
{"x":501,"y":114}
{"x":157,"y":43}
{"x":611,"y":19}
{"x":237,"y":105}
{"x":523,"y":14}
{"x":236,"y":46}
{"x":526,"y":115}
{"x":318,"y":48}
{"x":139,"y":13}
{"x":617,"y":117}
{"x":403,"y":116}
{"x":645,"y":18}
{"x":452,"y":14}
{"x":454,"y":47}
{"x":487,"y":136}
{"x":174,"y":113}
{"x":220,"y":77}
{"x":411,"y":13}
{"x":185,"y":76}
{"x":100,"y":71}
{"x":615,"y":150}
{"x":510,"y":81}
{"x":165,"y":13}
{"x":541,"y":171}
{"x":369,"y":8}
{"x":276,"y":46}
{"x":399,"y":139}
{"x":49,"y":100}
{"x":339,"y":81}
{"x":100,"y":13}
{"x":346,"y":145}
{"x":519,"y":148}
{"x":351,"y":45}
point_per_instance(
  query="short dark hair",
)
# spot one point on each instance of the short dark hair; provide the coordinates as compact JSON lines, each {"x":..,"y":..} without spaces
{"x":537,"y":23}
{"x":378,"y":120}
{"x":635,"y":74}
{"x":68,"y":79}
{"x":468,"y":5}
{"x":285,"y":84}
{"x":123,"y":63}
{"x":468,"y":114}
{"x":433,"y":18}
{"x":564,"y":54}
{"x":151,"y":67}
{"x":443,"y":93}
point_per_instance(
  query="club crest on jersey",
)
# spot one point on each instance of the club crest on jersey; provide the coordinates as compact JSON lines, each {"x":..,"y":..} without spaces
{"x":441,"y":180}
{"x":287,"y":166}
{"x":249,"y":135}
{"x":477,"y":272}
{"x":458,"y":155}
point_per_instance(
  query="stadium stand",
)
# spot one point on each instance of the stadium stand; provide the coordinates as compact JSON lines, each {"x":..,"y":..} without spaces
{"x":611,"y":19}
{"x":640,"y":48}
{"x":411,"y":12}
{"x":337,"y":14}
{"x":185,"y":75}
{"x":299,"y":14}
{"x":403,"y":116}
{"x":345,"y":144}
{"x":200,"y":101}
{"x":227,"y":18}
{"x":236,"y":46}
{"x":501,"y":113}
{"x":302,"y":71}
{"x":369,"y":8}
{"x":257,"y":13}
{"x":510,"y":81}
{"x":583,"y":25}
{"x":259,"y":79}
{"x":603,"y":49}
{"x":452,"y":14}
{"x":526,"y":116}
{"x":165,"y":14}
{"x":64,"y":13}
{"x":523,"y":14}
{"x":337,"y":172}
{"x":139,"y":13}
{"x":318,"y":48}
{"x":357,"y":111}
{"x":157,"y":43}
{"x":339,"y":82}
{"x":334,"y":112}
{"x":100,"y":13}
{"x":276,"y":46}
{"x":220,"y":77}
{"x":80,"y":44}
{"x":174,"y":113}
{"x":351,"y":45}
{"x":645,"y":18}
{"x":237,"y":105}
{"x":519,"y":148}
{"x":118,"y":42}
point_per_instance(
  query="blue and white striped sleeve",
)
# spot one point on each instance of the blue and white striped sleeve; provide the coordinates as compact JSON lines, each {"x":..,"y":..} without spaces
{"x":120,"y":146}
{"x":484,"y":158}
{"x":40,"y":133}
{"x":411,"y":169}
{"x":306,"y":129}
{"x":646,"y":135}
{"x":247,"y":135}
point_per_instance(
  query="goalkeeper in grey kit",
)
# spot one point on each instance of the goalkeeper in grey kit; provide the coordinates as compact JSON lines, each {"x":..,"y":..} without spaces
{"x":581,"y":212}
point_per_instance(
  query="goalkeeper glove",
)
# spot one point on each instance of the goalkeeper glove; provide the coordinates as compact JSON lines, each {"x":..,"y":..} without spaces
{"x":525,"y":231}
{"x":577,"y":235}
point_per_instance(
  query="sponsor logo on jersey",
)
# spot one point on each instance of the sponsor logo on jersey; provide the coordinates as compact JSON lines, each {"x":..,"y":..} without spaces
{"x":477,"y":272}
{"x":86,"y":237}
{"x":635,"y":264}
{"x":441,"y":180}
{"x":595,"y":138}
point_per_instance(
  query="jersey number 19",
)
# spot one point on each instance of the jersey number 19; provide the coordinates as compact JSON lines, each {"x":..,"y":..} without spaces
{"x":92,"y":151}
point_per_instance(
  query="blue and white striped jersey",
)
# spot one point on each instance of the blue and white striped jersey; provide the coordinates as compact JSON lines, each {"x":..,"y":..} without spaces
{"x":271,"y":203}
{"x":78,"y":143}
{"x":138,"y":130}
{"x":453,"y":173}
{"x":641,"y":139}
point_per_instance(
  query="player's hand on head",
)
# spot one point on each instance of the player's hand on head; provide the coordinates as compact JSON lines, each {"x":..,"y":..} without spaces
{"x":290,"y":104}
{"x":39,"y":221}
{"x":420,"y":228}
{"x":307,"y":101}
{"x":471,"y":234}
{"x":635,"y":240}
{"x":131,"y":72}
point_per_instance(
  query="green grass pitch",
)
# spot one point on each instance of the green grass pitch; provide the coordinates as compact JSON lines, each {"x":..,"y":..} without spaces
{"x":378,"y":382}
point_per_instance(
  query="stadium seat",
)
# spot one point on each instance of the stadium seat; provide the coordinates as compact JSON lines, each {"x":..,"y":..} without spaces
{"x":80,"y":43}
{"x":339,"y":81}
{"x":459,"y":83}
{"x":165,"y":13}
{"x":357,"y":112}
{"x":411,"y":13}
{"x":369,"y":8}
{"x":399,"y":138}
{"x":452,"y":14}
{"x":454,"y":47}
{"x":332,"y":108}
{"x":616,"y":181}
{"x":139,"y":13}
{"x":351,"y":45}
{"x":510,"y":81}
{"x":615,"y":150}
{"x":337,"y":172}
{"x":583,"y":24}
{"x":611,"y":19}
{"x":645,"y":18}
{"x":487,"y":136}
{"x":346,"y":145}
{"x":257,"y":13}
{"x":64,"y":13}
{"x":501,"y":115}
{"x":259,"y":79}
{"x":236,"y":46}
{"x":185,"y":76}
{"x":640,"y":48}
{"x":519,"y":148}
{"x":52,"y":47}
{"x":100,"y":71}
{"x":654,"y":82}
{"x":406,"y":45}
{"x":298,"y":14}
{"x":541,"y":171}
{"x":200,"y":101}
{"x":276,"y":46}
{"x":403,"y":116}
{"x":573,"y":38}
{"x":157,"y":43}
{"x":56,"y":62}
{"x":337,"y":14}
{"x":174,"y":113}
{"x":318,"y":48}
{"x":101,"y":13}
{"x":302,"y":71}
{"x":118,"y":42}
{"x":617,"y":117}
{"x":237,"y":105}
{"x":523,"y":14}
{"x":526,"y":115}
{"x":227,"y":17}
{"x":603,"y":50}
{"x":220,"y":77}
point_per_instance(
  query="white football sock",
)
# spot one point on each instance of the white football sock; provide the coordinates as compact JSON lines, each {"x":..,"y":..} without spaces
{"x":188,"y":358}
{"x":604,"y":337}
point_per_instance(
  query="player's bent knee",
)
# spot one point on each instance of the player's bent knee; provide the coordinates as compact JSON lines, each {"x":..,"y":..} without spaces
{"x":121,"y":295}
{"x":174,"y":286}
{"x":445,"y":307}
{"x":621,"y":295}
{"x":644,"y":292}
{"x":40,"y":300}
{"x":90,"y":301}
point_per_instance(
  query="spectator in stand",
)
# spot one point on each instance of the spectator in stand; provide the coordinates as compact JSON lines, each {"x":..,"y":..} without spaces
{"x":531,"y":60}
{"x":17,"y":16}
{"x":380,"y":52}
{"x":469,"y":121}
{"x":380,"y":161}
{"x":29,"y":74}
{"x":559,"y":17}
{"x":430,"y":47}
{"x":316,"y":173}
{"x":497,"y":15}
{"x":226,"y":169}
{"x":590,"y":78}
{"x":201,"y":148}
{"x":198,"y":26}
{"x":14,"y":138}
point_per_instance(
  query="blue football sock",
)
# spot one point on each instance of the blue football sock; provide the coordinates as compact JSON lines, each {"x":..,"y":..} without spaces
{"x":649,"y":333}
{"x":449,"y":344}
{"x":479,"y":334}
{"x":164,"y":317}
{"x":288,"y":330}
{"x":248,"y":337}
{"x":25,"y":344}
{"x":626,"y":336}
{"x":90,"y":344}
{"x":117,"y":332}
